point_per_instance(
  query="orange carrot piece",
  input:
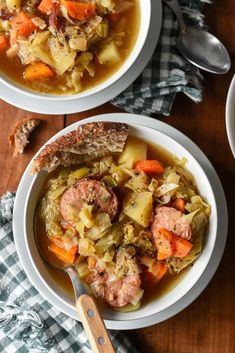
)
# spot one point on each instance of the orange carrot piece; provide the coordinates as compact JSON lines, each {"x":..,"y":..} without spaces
{"x":37,"y":71}
{"x":179,"y":204}
{"x":22,"y":25}
{"x":164,"y":244}
{"x":149,"y":166}
{"x":57,"y":241}
{"x":169,"y":244}
{"x":79,"y":10}
{"x":62,"y":254}
{"x":46,"y":6}
{"x":182,"y":246}
{"x":3,"y":43}
{"x":158,"y":270}
{"x":151,"y":276}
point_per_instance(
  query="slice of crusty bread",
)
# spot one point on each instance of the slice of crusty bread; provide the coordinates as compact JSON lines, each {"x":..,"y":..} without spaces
{"x":89,"y":141}
{"x":20,"y":134}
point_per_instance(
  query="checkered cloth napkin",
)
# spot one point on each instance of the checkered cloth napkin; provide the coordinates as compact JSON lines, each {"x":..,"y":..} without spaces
{"x":28,"y":323}
{"x":168,"y":72}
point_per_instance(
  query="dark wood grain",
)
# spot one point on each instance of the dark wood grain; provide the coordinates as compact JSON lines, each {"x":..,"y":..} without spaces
{"x":11,"y":169}
{"x":220,"y":19}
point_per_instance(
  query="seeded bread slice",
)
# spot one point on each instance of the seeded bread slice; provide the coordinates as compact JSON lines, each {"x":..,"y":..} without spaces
{"x":89,"y":141}
{"x":20,"y":134}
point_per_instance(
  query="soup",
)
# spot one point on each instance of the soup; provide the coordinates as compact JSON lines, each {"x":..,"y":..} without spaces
{"x":131,"y":223}
{"x":65,"y":47}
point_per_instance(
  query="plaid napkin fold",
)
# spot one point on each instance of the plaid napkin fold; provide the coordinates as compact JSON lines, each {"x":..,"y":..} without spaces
{"x":28,"y":323}
{"x":168,"y":72}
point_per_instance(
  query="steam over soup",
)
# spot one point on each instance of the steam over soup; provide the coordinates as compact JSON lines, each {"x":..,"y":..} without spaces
{"x":130,"y":222}
{"x":65,"y":46}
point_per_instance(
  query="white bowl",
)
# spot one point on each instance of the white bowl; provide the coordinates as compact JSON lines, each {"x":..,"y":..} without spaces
{"x":186,"y":290}
{"x":150,"y":24}
{"x":230,"y":115}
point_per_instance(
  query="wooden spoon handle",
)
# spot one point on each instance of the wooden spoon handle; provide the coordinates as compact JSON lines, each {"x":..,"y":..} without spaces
{"x":93,"y":325}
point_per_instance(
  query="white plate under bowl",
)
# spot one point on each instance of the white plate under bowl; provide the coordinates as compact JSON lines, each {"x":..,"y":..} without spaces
{"x":187,"y":290}
{"x":230,"y":115}
{"x":72,"y":104}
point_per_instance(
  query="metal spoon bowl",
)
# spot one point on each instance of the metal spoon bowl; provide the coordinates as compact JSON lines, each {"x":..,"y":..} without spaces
{"x":200,"y":47}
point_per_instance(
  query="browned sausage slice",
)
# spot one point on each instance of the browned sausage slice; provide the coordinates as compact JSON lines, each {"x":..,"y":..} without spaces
{"x":172,"y":220}
{"x":91,"y":192}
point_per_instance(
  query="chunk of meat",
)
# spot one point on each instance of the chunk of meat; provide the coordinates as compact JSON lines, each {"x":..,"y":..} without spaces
{"x":116,"y":291}
{"x":172,"y":220}
{"x":91,"y":192}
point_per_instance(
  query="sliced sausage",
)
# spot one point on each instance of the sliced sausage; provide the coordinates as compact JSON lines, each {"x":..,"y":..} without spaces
{"x":116,"y":291}
{"x":91,"y":192}
{"x":172,"y":220}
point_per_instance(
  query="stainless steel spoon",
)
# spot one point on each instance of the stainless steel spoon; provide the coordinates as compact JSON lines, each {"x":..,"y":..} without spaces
{"x":85,"y":304}
{"x":200,"y":47}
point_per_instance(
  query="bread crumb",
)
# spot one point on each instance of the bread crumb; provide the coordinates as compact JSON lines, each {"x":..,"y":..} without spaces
{"x":20,"y":134}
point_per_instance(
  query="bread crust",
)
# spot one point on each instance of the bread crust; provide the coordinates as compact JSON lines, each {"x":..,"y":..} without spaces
{"x":89,"y":141}
{"x":20,"y":133}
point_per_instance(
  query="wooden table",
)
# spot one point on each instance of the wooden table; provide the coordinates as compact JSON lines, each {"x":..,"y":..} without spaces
{"x":207,"y":325}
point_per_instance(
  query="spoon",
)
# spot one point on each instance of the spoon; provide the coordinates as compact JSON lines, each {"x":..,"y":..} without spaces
{"x":85,"y":304}
{"x":200,"y":47}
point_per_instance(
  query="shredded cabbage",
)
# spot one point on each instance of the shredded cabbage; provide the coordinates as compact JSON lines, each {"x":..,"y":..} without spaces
{"x":109,"y":255}
{"x":112,"y":237}
{"x":138,"y":238}
{"x":128,"y":308}
{"x":86,"y":217}
{"x":138,"y":182}
{"x":77,"y":175}
{"x":82,"y":269}
{"x":86,"y":247}
{"x":178,"y":264}
{"x":153,"y":185}
{"x":101,"y":224}
{"x":165,"y":189}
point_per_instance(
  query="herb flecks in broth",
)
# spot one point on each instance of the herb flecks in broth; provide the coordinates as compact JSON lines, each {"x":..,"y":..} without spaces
{"x":63,"y":46}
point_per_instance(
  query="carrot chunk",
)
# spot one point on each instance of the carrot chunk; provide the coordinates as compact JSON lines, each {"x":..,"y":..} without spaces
{"x":3,"y":43}
{"x":22,"y":25}
{"x":169,"y":244}
{"x":46,"y":6}
{"x":179,"y":204}
{"x":152,"y":275}
{"x":79,"y":10}
{"x":64,"y":255}
{"x":149,"y":166}
{"x":164,"y":244}
{"x":182,"y":246}
{"x":38,"y":71}
{"x":158,"y":270}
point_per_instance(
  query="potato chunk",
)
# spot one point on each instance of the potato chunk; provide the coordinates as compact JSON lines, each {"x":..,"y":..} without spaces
{"x":109,"y":54}
{"x":134,"y":150}
{"x":140,"y":208}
